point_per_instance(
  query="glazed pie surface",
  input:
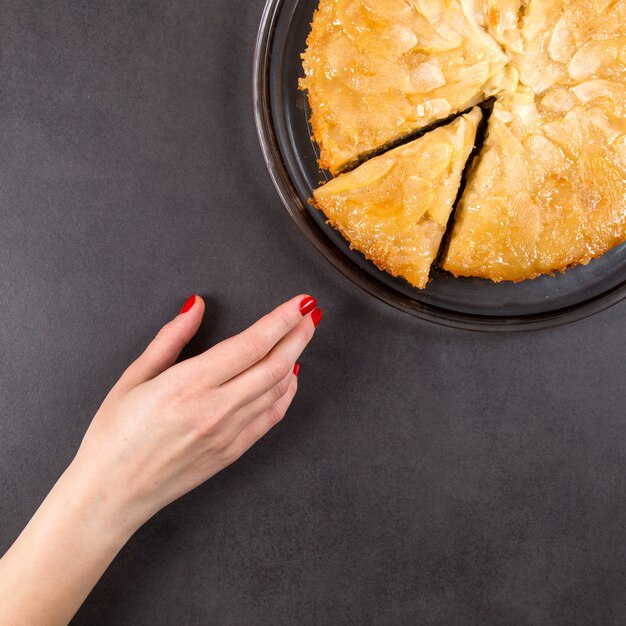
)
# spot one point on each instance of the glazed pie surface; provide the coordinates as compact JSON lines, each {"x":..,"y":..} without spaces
{"x":395,"y":207}
{"x":548,"y":189}
{"x":547,"y":193}
{"x":378,"y":70}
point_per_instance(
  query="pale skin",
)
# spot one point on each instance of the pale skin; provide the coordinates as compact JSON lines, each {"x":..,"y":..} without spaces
{"x":164,"y":429}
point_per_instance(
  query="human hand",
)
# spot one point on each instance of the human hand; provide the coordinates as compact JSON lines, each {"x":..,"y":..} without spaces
{"x":164,"y":429}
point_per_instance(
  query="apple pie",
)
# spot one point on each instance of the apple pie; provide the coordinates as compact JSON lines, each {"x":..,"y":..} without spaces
{"x":395,"y":207}
{"x":547,"y":189}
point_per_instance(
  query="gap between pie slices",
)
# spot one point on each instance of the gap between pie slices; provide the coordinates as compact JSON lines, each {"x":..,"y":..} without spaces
{"x":548,"y":188}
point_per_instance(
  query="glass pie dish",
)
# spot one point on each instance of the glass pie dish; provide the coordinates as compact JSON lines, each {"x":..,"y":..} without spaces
{"x":282,"y":117}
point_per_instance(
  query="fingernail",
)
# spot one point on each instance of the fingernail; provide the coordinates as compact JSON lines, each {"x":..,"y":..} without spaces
{"x":188,"y":305}
{"x":317,"y":316}
{"x":296,"y":369}
{"x":307,"y":305}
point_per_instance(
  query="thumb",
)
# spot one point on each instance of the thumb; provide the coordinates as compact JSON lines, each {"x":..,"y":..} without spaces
{"x":166,"y":347}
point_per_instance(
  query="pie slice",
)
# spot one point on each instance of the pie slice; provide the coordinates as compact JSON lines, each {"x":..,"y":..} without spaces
{"x":378,"y":70}
{"x":549,"y":189}
{"x":395,"y":208}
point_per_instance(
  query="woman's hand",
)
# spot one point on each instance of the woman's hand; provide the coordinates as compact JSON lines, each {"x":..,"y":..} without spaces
{"x":163,"y":430}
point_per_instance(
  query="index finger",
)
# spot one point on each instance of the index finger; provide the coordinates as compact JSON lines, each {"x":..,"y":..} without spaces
{"x":237,"y":354}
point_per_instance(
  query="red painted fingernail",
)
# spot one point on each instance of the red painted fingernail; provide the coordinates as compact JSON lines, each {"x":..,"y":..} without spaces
{"x":317,"y":316}
{"x":188,"y":305}
{"x":296,"y":369}
{"x":307,"y":305}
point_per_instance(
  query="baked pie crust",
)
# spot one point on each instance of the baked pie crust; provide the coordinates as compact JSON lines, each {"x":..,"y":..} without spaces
{"x":548,"y":188}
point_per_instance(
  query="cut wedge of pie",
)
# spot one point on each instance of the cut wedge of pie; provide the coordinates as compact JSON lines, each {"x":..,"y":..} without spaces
{"x":378,"y":70}
{"x":395,"y":208}
{"x":547,"y":190}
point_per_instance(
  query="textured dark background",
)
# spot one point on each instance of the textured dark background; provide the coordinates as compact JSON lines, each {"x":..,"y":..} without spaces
{"x":424,"y":476}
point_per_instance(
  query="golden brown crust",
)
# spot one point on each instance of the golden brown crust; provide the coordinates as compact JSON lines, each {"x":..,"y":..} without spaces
{"x":460,"y":271}
{"x":378,"y":257}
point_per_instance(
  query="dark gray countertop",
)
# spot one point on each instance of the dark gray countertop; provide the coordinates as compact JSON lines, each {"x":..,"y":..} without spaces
{"x":423,"y":476}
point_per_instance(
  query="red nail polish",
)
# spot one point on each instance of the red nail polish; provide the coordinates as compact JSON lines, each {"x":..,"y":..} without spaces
{"x":296,"y":369}
{"x":188,"y":305}
{"x":307,"y":305}
{"x":317,"y":316}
